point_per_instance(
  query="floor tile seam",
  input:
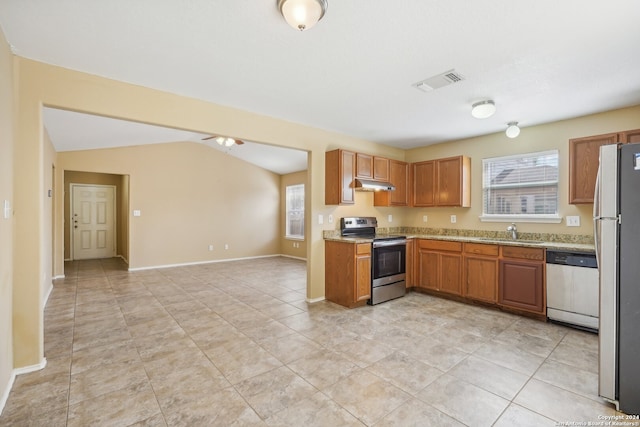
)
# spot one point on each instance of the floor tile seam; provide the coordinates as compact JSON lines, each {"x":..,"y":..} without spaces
{"x":531,"y":377}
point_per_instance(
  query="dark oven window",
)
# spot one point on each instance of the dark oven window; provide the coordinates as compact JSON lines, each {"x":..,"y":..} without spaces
{"x":388,"y":261}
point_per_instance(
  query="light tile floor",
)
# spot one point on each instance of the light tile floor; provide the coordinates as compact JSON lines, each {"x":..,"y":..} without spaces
{"x":235,"y":344}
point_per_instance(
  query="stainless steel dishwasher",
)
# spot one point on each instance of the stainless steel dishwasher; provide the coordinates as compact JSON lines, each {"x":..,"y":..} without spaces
{"x":573,"y":296}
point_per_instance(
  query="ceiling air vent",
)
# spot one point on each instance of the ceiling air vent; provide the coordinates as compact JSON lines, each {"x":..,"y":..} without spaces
{"x":436,"y":82}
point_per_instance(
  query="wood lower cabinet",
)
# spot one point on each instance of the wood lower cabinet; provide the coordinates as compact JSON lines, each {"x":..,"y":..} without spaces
{"x":410,"y":256}
{"x":340,"y":169}
{"x":438,"y":265}
{"x":481,"y":272}
{"x":347,"y":272}
{"x":521,"y":276}
{"x":584,"y":158}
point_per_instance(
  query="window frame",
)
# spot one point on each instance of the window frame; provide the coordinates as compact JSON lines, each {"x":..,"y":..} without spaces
{"x":528,"y":217}
{"x":288,"y":210}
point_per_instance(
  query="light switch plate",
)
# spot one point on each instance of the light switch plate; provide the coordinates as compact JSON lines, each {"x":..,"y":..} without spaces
{"x":7,"y":209}
{"x":320,"y":219}
{"x":137,"y":212}
{"x":573,"y":221}
{"x":424,"y":218}
{"x":390,"y":218}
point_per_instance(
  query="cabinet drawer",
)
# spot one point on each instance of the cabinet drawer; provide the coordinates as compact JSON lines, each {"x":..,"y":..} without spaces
{"x":523,"y":253}
{"x":363,"y":248}
{"x":440,"y":245}
{"x":481,"y":249}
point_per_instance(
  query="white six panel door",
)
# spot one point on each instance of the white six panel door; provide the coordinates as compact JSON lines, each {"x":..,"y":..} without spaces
{"x":93,"y":221}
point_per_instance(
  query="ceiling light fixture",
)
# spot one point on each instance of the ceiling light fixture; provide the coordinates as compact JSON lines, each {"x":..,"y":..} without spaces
{"x":483,"y":109}
{"x":512,"y":130}
{"x":302,"y":14}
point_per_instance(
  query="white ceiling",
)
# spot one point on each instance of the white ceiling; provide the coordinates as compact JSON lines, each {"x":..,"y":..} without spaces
{"x":70,"y":131}
{"x":540,"y":61}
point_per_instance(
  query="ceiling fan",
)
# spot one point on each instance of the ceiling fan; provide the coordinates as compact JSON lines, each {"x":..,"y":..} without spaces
{"x":224,"y":140}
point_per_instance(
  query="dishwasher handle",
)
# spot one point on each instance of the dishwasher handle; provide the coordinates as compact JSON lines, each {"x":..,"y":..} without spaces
{"x":572,"y":259}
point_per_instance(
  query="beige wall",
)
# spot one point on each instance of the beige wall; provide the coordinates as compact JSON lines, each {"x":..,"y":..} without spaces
{"x":40,"y":84}
{"x":48,"y":217}
{"x":190,"y":196}
{"x":286,"y":245}
{"x":122,"y":218}
{"x":536,"y":138}
{"x":6,"y":225}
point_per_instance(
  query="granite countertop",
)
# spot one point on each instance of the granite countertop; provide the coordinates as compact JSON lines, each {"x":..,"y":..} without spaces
{"x":566,"y":242}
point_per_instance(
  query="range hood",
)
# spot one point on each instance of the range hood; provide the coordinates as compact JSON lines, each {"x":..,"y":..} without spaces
{"x":368,"y":185}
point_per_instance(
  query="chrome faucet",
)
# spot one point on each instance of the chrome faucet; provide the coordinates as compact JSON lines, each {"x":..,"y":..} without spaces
{"x":513,"y":230}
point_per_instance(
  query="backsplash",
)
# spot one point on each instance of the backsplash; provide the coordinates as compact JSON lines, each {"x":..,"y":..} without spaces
{"x":425,"y":231}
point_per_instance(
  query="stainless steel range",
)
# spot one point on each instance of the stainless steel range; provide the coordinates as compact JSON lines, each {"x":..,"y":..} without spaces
{"x":388,"y":259}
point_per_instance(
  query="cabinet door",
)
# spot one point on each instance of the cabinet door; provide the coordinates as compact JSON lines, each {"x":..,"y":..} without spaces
{"x":451,"y":273}
{"x":584,"y":158}
{"x":339,"y":175}
{"x":424,"y":183}
{"x":453,"y":182}
{"x":409,"y":279}
{"x":363,"y":272}
{"x":630,"y":136}
{"x":399,"y":177}
{"x":427,"y":269}
{"x":380,"y":169}
{"x":522,"y":285}
{"x":481,"y":278}
{"x":364,"y":166}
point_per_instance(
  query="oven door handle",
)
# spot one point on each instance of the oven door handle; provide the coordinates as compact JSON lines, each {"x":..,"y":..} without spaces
{"x":385,"y":243}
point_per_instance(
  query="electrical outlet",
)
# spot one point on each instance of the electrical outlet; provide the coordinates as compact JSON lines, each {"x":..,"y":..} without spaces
{"x":453,"y":219}
{"x":424,"y":218}
{"x":137,"y":212}
{"x":573,"y":221}
{"x":210,"y":247}
{"x":330,"y":219}
{"x":226,"y":246}
{"x":390,"y":218}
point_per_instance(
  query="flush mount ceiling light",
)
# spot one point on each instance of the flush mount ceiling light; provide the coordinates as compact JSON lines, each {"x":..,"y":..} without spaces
{"x":483,"y":109}
{"x":302,"y":14}
{"x":512,"y":129}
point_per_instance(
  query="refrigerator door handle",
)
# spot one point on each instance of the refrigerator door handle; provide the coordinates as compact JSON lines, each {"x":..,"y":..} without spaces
{"x":596,"y":216}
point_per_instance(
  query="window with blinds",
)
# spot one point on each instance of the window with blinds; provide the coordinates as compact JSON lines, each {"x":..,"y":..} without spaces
{"x":295,"y":211}
{"x":522,"y":186}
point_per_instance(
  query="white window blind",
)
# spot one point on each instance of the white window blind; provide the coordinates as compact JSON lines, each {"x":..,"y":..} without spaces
{"x":295,"y":211}
{"x":521,"y":186}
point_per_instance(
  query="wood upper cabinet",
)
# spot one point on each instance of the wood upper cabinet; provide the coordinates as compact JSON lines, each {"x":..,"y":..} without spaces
{"x":424,"y":183}
{"x":630,"y":136}
{"x":442,"y":182}
{"x":453,"y":186}
{"x":347,"y":272}
{"x":584,"y":158}
{"x":480,"y":269}
{"x":372,"y":167}
{"x":438,"y":265}
{"x":521,"y":279}
{"x":340,"y":168}
{"x":399,"y":177}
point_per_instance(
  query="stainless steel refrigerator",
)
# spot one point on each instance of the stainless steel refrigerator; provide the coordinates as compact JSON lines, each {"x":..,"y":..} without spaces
{"x":616,"y":212}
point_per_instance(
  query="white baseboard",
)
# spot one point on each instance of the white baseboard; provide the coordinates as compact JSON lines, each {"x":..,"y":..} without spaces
{"x":7,"y":390}
{"x":47,"y":294}
{"x":200,"y":262}
{"x":294,"y":257}
{"x":59,"y":276}
{"x":312,"y":300}
{"x":14,"y":374}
